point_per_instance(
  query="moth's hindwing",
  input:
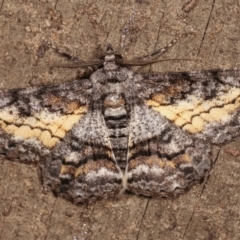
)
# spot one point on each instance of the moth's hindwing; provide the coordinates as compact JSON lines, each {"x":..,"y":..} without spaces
{"x":83,"y":166}
{"x":163,"y":159}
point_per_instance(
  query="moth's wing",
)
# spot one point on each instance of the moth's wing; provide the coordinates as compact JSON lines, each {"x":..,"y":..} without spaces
{"x":56,"y":126}
{"x":35,"y":119}
{"x":171,"y":135}
{"x":163,"y":160}
{"x":205,"y":104}
{"x":82,"y":167}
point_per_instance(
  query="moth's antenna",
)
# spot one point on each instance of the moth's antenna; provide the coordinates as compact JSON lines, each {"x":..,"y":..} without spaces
{"x":77,"y":65}
{"x":139,"y":63}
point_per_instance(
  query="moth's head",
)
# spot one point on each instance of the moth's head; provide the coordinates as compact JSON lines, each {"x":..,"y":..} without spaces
{"x":110,"y":59}
{"x":109,"y":49}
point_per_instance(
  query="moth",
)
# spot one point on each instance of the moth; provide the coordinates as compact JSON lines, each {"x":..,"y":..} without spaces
{"x":117,"y":130}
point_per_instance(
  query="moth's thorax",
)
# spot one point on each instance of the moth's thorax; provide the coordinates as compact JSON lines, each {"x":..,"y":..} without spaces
{"x":118,"y":81}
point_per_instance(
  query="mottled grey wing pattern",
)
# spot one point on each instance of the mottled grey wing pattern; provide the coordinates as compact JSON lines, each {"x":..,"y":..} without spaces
{"x":204,"y":103}
{"x":59,"y":128}
{"x":82,"y":166}
{"x":163,"y":159}
{"x":44,"y":114}
{"x":171,"y":135}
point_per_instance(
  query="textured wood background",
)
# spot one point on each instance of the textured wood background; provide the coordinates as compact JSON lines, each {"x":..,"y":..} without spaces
{"x":134,"y":28}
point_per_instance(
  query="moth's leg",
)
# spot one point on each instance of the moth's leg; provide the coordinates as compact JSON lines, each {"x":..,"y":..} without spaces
{"x":159,"y":52}
{"x":65,"y":54}
{"x":75,"y":62}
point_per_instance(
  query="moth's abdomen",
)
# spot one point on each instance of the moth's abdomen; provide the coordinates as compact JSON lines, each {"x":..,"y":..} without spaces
{"x":116,"y":115}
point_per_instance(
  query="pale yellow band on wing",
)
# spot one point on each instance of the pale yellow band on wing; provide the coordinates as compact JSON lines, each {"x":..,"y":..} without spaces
{"x":195,"y":113}
{"x":46,"y":127}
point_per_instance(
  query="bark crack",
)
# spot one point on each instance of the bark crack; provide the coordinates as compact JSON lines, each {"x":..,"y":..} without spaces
{"x":201,"y":193}
{"x":205,"y":30}
{"x":55,"y":5}
{"x":141,"y":223}
{"x":1,"y":6}
{"x":50,"y":216}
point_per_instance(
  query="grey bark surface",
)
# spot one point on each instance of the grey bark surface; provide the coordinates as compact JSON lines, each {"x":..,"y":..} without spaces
{"x":134,"y":28}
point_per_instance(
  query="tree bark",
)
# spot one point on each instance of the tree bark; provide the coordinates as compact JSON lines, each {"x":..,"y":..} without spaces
{"x":134,"y":28}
